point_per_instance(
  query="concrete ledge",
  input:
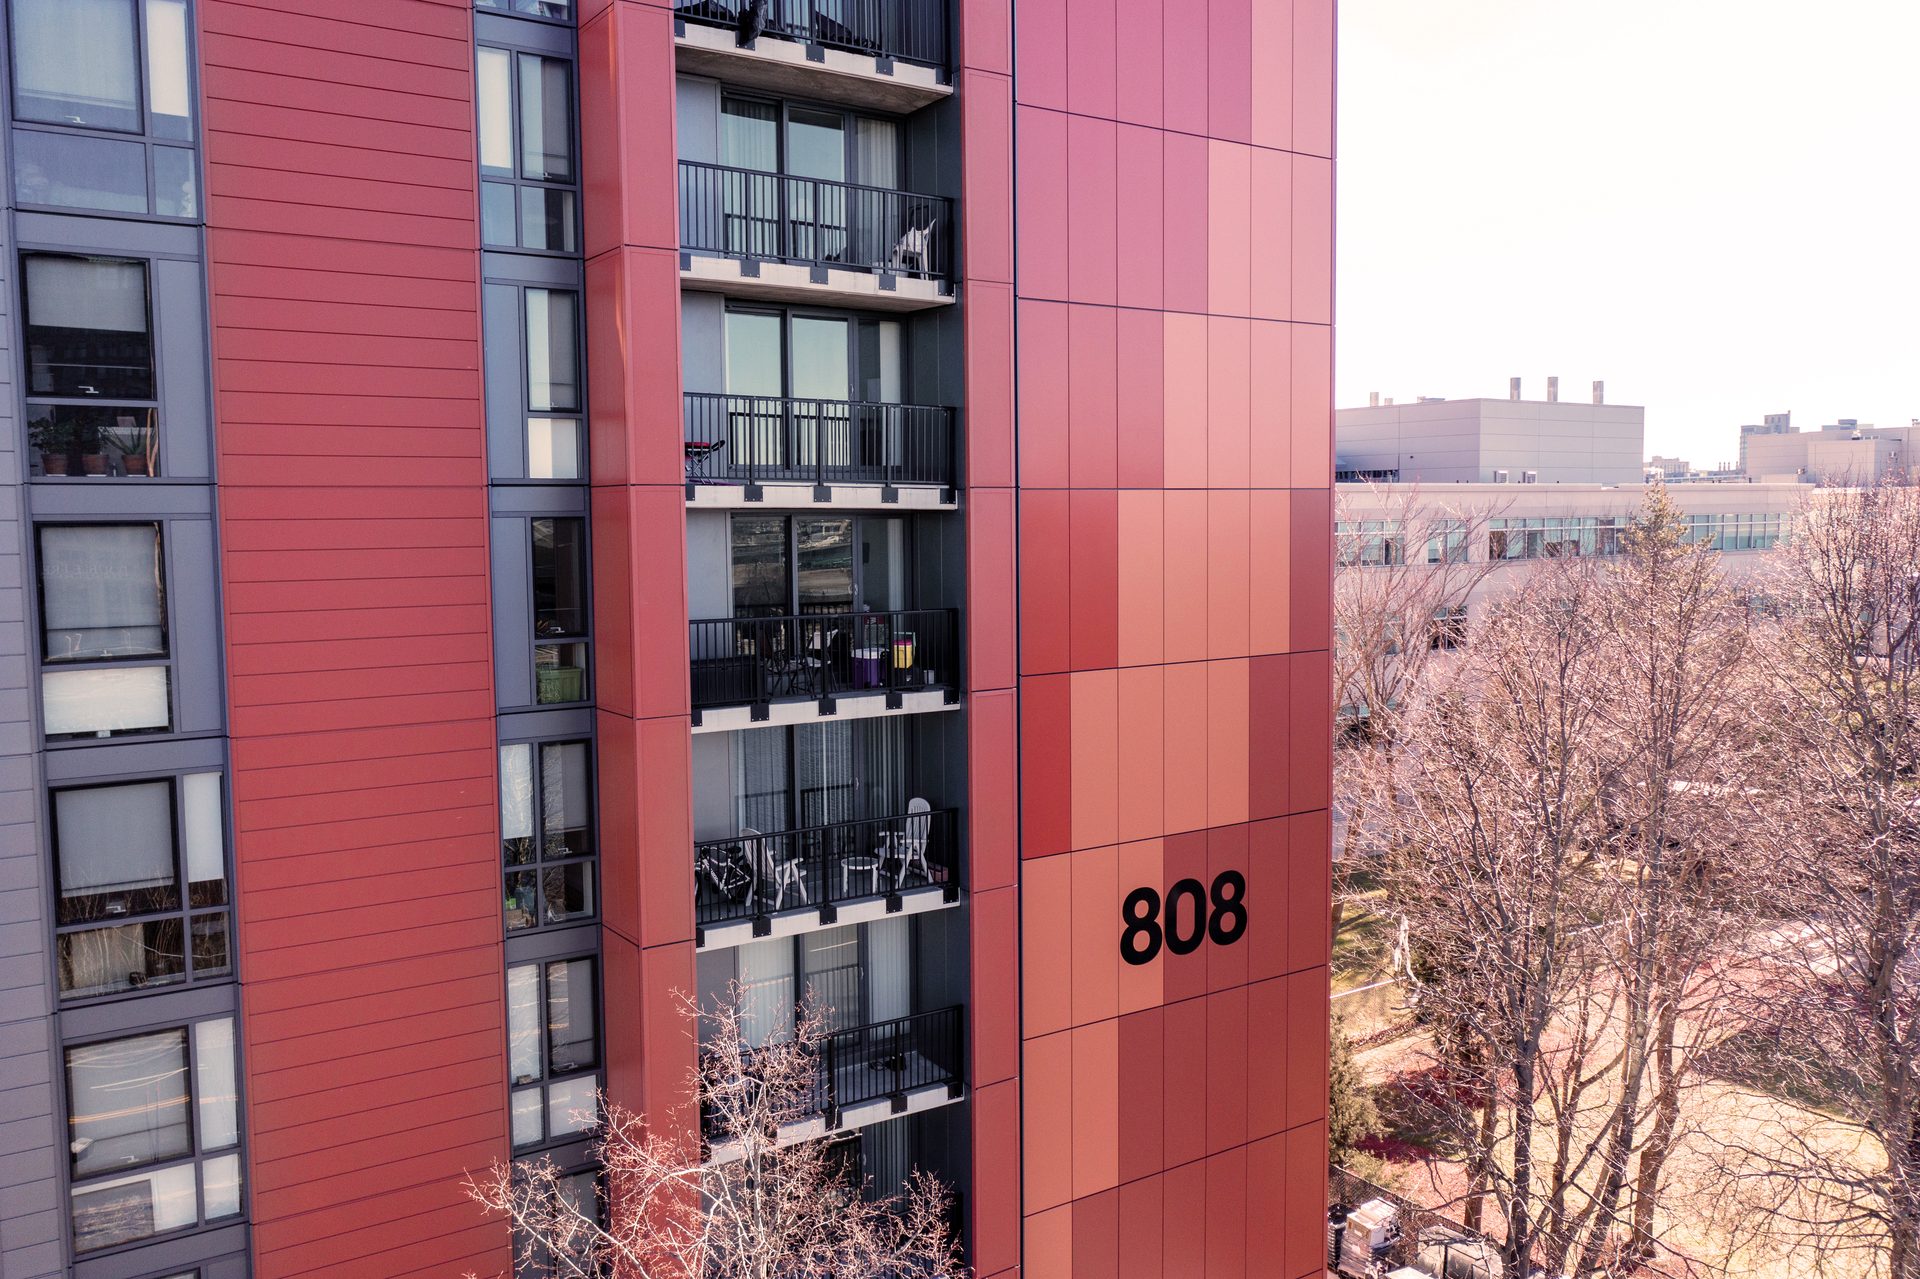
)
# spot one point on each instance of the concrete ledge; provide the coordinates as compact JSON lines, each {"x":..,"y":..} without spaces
{"x":861,"y":497}
{"x":847,"y":705}
{"x":785,"y":282}
{"x":806,"y":919}
{"x":781,"y":65}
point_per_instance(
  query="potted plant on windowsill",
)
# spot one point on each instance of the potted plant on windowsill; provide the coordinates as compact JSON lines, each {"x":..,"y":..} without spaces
{"x":55,"y":440}
{"x":91,"y":443}
{"x":134,"y":443}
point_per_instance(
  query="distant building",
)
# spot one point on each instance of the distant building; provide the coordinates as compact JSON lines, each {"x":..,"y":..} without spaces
{"x":1669,"y":468}
{"x":1490,"y":441}
{"x":1841,"y":452}
{"x":1771,"y":424}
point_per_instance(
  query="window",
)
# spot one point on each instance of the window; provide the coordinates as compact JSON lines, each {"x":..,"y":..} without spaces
{"x":103,"y":630}
{"x":1538,"y":537}
{"x":560,"y":610}
{"x":141,"y":869}
{"x":147,"y":1117}
{"x":547,"y":833}
{"x":92,"y":403}
{"x":1449,"y":630}
{"x":527,"y":190}
{"x":582,"y":1192}
{"x":553,"y":1049}
{"x":101,"y":89}
{"x":560,"y":9}
{"x":1369,"y":543}
{"x":1447,"y":542}
{"x":534,"y":392}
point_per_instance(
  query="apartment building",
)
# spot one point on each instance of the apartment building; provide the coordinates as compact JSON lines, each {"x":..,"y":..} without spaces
{"x":520,"y":510}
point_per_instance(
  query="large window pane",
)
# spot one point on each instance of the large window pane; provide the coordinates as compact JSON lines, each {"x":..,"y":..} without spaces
{"x":567,"y":813}
{"x":103,"y":700}
{"x":760,"y":585}
{"x":129,"y":1208}
{"x":74,"y":62}
{"x":516,"y":803}
{"x":571,"y":1106}
{"x":559,"y":577}
{"x":108,"y":961}
{"x":206,"y":839}
{"x":87,"y":327}
{"x":79,"y":172}
{"x":127,"y":1102}
{"x":213,"y":1082}
{"x":101,"y":592}
{"x":114,"y":851}
{"x":553,"y":362}
{"x":572,"y":1038}
{"x":553,"y":448}
{"x":176,"y":185}
{"x":523,"y":1023}
{"x":223,"y":1186}
{"x":169,"y":95}
{"x":94,"y":439}
{"x":546,"y":144}
{"x":547,"y":219}
{"x":495,"y":89}
{"x":749,"y":135}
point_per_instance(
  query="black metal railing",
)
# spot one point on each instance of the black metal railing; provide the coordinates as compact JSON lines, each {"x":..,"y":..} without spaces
{"x":910,"y":30}
{"x":887,"y":1059}
{"x":750,"y":876}
{"x":756,"y":439}
{"x":771,"y":217}
{"x":744,"y":661}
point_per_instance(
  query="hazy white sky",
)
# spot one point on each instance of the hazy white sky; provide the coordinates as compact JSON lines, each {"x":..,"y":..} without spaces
{"x":1714,"y":205}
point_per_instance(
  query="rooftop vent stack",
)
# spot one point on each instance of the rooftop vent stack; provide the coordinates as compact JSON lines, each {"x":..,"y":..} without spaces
{"x":1599,"y":392}
{"x":1513,"y":388}
{"x":1388,"y":400}
{"x":1373,"y":399}
{"x":1553,"y":390}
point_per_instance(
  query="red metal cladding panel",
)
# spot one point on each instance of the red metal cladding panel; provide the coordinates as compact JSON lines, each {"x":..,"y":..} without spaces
{"x":1175,"y":550}
{"x":346,"y":328}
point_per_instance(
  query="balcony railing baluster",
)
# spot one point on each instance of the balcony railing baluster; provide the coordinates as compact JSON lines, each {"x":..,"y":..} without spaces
{"x":910,"y":30}
{"x":749,"y":213}
{"x":748,"y":876}
{"x":757,"y":439}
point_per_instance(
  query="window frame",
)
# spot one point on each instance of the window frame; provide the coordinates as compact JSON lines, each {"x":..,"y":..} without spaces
{"x":507,"y":357}
{"x":502,"y":39}
{"x":543,"y":1082}
{"x":507,"y":10}
{"x":184,"y":911}
{"x":198,"y":1153}
{"x":584,"y":638}
{"x":784,"y":107}
{"x":145,"y":137}
{"x":167,"y":660}
{"x":539,"y":863}
{"x":29,"y":401}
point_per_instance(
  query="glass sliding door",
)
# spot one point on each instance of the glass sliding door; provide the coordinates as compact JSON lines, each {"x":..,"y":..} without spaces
{"x":761,"y":574}
{"x":821,"y":383}
{"x":750,"y":185}
{"x":825,"y":558}
{"x":817,"y":210}
{"x":756,"y":418}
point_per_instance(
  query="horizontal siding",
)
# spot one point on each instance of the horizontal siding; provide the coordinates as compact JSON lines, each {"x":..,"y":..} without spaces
{"x":30,"y":1208}
{"x":343,"y":262}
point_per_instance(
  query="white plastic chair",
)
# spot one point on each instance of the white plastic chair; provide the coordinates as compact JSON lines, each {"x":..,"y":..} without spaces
{"x":916,"y":245}
{"x":782,"y":873}
{"x":911,"y":847}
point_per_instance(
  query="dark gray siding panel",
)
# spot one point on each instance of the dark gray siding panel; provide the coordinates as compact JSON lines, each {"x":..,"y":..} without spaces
{"x":30,"y":1227}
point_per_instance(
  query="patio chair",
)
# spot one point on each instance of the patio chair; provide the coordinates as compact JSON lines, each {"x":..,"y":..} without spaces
{"x":914,"y":250}
{"x":911,"y":847}
{"x":782,"y":872}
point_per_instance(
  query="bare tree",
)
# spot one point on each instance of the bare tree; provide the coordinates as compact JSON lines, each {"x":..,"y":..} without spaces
{"x":1840,"y":989}
{"x":756,"y":1203}
{"x":1490,"y":815}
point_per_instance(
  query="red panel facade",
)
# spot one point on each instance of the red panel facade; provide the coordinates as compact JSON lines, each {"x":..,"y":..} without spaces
{"x":354,"y":531}
{"x":1173,"y":308}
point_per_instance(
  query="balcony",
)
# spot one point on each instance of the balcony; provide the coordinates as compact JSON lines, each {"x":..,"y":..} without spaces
{"x":751,"y":233}
{"x":886,"y":54}
{"x":750,"y":670}
{"x":887,"y":864}
{"x":739,"y":445}
{"x":867,"y":1073}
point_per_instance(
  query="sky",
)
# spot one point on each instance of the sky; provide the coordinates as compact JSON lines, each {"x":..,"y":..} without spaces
{"x":1713,"y":205}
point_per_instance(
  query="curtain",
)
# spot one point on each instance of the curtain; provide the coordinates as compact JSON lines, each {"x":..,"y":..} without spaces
{"x":832,"y":976}
{"x":169,"y":99}
{"x":890,"y":968}
{"x":553,"y":360}
{"x":572,"y":1041}
{"x":86,"y":293}
{"x":100,"y":584}
{"x":74,"y":62}
{"x":495,"y":88}
{"x":563,"y":796}
{"x":876,"y":153}
{"x":748,"y":137}
{"x":546,"y":125}
{"x":127,"y":1099}
{"x":764,"y":781}
{"x":767,"y":995}
{"x":206,"y":838}
{"x":111,"y":839}
{"x":825,"y":780}
{"x":213,"y":1084}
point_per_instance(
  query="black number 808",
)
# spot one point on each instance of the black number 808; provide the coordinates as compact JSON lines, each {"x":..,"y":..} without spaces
{"x":1188,"y":921}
